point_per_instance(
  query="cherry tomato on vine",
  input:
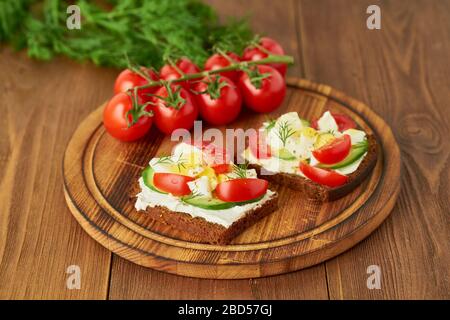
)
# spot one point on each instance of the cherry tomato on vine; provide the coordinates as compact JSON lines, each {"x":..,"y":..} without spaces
{"x":218,"y":110}
{"x":269,"y":96}
{"x":128,"y":79}
{"x":343,"y":121}
{"x":254,"y":53}
{"x":115,"y":119}
{"x":168,"y":117}
{"x":185,"y":65}
{"x":218,"y":61}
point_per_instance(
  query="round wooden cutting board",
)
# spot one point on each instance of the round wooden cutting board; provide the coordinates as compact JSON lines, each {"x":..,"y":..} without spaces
{"x":100,"y":173}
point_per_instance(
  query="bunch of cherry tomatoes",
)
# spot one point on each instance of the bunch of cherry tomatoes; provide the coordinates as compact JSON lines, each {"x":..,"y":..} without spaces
{"x":235,"y":88}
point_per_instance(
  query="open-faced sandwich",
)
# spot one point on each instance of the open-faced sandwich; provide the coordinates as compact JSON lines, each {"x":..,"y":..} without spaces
{"x":199,"y":190}
{"x":325,"y":159}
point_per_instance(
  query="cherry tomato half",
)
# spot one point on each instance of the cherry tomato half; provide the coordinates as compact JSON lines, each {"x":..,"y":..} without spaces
{"x":222,"y":110}
{"x":115,"y":119}
{"x":254,"y":53}
{"x":217,"y":61}
{"x":185,"y":65}
{"x":323,"y":176}
{"x":258,"y":146}
{"x":343,"y":121}
{"x":238,"y":190}
{"x":127,"y":79}
{"x":334,"y":151}
{"x":167,"y":118}
{"x":173,"y":183}
{"x":269,"y":96}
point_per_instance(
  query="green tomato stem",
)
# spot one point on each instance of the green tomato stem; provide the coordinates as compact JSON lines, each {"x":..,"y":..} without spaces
{"x":234,"y":66}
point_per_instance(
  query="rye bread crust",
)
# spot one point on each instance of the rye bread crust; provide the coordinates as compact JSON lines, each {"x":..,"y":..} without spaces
{"x":315,"y":191}
{"x":206,"y":231}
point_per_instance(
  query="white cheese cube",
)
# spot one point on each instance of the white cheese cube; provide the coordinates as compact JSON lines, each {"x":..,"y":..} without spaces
{"x":326,"y":123}
{"x":356,"y":136}
{"x":201,"y":187}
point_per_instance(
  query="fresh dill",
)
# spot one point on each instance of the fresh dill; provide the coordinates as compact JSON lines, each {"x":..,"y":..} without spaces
{"x":269,"y":124}
{"x":284,"y":132}
{"x":180,"y":162}
{"x":147,"y":31}
{"x":240,"y":170}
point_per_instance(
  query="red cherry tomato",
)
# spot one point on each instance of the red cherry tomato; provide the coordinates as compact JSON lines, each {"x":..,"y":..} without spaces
{"x":334,"y":151}
{"x":167,"y":118}
{"x":173,"y":183}
{"x":222,"y":168}
{"x":127,"y":79}
{"x":238,"y":190}
{"x":254,"y":53}
{"x":115,"y":119}
{"x":258,"y":146}
{"x":323,"y":176}
{"x":343,"y":121}
{"x":217,"y":61}
{"x":269,"y":96}
{"x":186,"y":66}
{"x":222,"y":110}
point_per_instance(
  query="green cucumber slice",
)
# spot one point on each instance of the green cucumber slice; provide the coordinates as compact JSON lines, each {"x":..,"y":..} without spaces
{"x":208,"y":203}
{"x":284,"y":154}
{"x":305,"y":123}
{"x":356,"y":152}
{"x":147,"y":175}
{"x":214,"y":203}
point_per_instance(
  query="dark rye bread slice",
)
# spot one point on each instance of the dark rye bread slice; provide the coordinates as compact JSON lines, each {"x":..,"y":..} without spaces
{"x":315,"y":191}
{"x":206,"y":231}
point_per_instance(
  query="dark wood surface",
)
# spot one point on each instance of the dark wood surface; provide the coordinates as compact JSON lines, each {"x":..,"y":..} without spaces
{"x":402,"y":71}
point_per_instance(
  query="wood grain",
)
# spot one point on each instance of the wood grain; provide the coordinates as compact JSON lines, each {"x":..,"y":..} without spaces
{"x":402,"y":70}
{"x":38,"y":237}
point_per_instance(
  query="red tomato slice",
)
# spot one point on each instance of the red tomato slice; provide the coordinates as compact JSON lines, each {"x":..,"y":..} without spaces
{"x":334,"y":151}
{"x":258,"y":146}
{"x":239,"y":190}
{"x":173,"y":183}
{"x":222,"y":168}
{"x":322,"y":176}
{"x":343,"y":121}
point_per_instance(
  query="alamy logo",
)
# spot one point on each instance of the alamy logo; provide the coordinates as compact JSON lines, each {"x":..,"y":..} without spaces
{"x":74,"y":20}
{"x":374,"y":280}
{"x":374,"y":20}
{"x":74,"y":279}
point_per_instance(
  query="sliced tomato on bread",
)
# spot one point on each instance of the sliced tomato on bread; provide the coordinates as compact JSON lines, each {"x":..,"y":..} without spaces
{"x":240,"y":190}
{"x":259,"y":146}
{"x":334,"y":151}
{"x":323,"y":176}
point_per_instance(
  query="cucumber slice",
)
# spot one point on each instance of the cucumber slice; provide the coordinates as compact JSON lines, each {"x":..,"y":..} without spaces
{"x":305,"y":123}
{"x":284,"y":154}
{"x":208,"y":203}
{"x":356,"y":152}
{"x":147,"y":175}
{"x":214,"y":203}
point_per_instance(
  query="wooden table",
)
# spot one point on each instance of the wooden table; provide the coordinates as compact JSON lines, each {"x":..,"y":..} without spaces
{"x":402,"y":71}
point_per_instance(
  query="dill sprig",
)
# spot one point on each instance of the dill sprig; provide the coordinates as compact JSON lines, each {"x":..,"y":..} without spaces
{"x":284,"y":132}
{"x":146,"y":30}
{"x":241,"y":169}
{"x":180,"y":162}
{"x":270,"y":123}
